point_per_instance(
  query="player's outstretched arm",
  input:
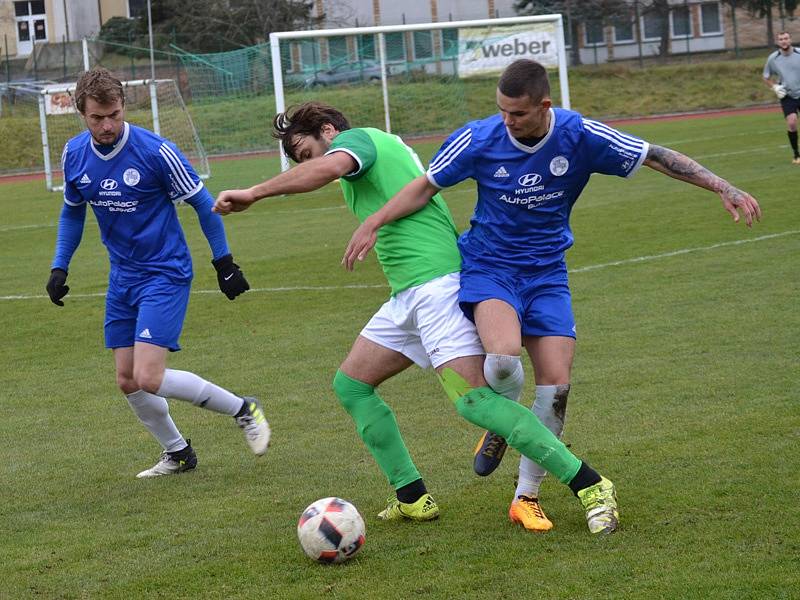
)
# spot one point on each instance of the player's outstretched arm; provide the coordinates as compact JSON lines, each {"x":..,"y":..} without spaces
{"x":305,"y":177}
{"x":680,"y":166}
{"x":413,"y":197}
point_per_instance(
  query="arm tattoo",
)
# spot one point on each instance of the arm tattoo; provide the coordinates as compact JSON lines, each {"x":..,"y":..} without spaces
{"x":682,"y":167}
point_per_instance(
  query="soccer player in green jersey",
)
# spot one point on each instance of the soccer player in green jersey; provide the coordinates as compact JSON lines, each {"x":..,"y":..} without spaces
{"x":421,"y":323}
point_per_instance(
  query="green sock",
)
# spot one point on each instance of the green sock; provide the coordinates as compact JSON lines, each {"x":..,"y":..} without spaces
{"x":518,"y":425}
{"x":377,"y":427}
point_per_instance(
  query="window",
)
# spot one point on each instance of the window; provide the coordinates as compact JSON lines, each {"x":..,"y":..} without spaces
{"x":39,"y":31}
{"x":593,"y":33}
{"x":681,"y":21}
{"x":23,"y":9}
{"x":395,"y":47}
{"x":450,"y":42}
{"x":652,"y":23}
{"x":137,"y":8}
{"x":709,"y":19}
{"x":567,"y":32}
{"x":623,"y":30}
{"x":366,"y":47}
{"x":309,"y":55}
{"x":337,"y":50}
{"x":423,"y":45}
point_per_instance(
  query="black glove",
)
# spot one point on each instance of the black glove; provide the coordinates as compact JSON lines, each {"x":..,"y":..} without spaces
{"x":55,"y":286}
{"x":230,"y":277}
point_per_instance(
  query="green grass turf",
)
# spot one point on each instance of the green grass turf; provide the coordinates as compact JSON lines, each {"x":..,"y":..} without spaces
{"x":684,"y":393}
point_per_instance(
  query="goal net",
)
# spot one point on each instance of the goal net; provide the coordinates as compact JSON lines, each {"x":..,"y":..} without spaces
{"x":154,"y":104}
{"x":413,"y":80}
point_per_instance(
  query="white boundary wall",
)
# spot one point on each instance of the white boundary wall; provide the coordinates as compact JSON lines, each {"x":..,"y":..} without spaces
{"x":277,"y":68}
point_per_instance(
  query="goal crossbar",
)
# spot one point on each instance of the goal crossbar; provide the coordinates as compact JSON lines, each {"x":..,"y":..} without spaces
{"x":380,"y":30}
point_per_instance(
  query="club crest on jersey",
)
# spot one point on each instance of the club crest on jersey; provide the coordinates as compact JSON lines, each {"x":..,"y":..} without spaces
{"x":131,"y":177}
{"x":559,"y":166}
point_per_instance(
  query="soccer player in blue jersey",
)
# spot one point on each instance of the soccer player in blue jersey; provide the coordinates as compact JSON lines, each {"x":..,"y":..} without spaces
{"x":133,"y":179}
{"x":530,"y":162}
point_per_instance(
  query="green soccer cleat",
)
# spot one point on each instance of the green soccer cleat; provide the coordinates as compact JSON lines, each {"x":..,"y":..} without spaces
{"x":600,"y":502}
{"x":424,"y":509}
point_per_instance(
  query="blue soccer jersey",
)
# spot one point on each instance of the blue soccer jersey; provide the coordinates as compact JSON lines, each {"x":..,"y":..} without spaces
{"x":526,"y":193}
{"x":133,"y":190}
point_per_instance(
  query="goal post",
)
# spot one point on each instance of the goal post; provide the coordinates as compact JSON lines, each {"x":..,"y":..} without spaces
{"x":155,"y":104}
{"x":417,"y":79}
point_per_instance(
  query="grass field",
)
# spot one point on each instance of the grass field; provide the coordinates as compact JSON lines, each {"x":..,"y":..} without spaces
{"x":685,"y":393}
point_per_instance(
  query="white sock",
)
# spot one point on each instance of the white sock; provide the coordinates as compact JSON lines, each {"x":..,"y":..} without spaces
{"x":153,"y":412}
{"x":193,"y":388}
{"x":504,"y":374}
{"x":550,"y":406}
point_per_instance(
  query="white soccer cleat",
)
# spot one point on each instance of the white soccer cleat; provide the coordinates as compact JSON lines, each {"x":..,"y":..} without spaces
{"x":172,"y":463}
{"x":255,"y":426}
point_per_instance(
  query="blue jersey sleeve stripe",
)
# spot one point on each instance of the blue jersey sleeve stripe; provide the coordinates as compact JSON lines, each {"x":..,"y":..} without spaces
{"x":71,"y":203}
{"x":443,"y":155}
{"x":628,"y":143}
{"x":453,"y":153}
{"x":621,"y":138}
{"x":182,"y":177}
{"x":64,"y":156}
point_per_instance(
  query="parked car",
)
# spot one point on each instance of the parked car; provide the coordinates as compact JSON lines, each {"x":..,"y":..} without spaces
{"x":348,"y":72}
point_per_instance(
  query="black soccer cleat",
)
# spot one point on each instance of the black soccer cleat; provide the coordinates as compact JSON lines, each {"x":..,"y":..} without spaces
{"x":488,"y":453}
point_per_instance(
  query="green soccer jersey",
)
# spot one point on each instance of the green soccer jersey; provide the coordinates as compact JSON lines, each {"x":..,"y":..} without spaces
{"x":412,"y":250}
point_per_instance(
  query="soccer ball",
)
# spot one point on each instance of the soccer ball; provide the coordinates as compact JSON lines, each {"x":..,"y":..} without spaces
{"x":331,"y":530}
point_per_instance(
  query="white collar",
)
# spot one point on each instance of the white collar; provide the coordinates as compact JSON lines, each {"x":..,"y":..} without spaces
{"x":542,"y":142}
{"x":117,"y":148}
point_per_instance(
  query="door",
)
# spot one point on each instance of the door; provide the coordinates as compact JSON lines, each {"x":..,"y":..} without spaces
{"x":31,"y":25}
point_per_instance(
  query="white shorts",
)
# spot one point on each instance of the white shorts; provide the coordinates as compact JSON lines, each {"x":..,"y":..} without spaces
{"x":426,"y":324}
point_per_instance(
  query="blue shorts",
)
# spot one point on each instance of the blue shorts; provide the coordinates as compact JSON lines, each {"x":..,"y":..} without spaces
{"x":147,"y":309}
{"x":541,"y":298}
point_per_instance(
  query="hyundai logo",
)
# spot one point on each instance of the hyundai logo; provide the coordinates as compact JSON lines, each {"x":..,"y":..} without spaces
{"x":528,"y":180}
{"x":108,"y":184}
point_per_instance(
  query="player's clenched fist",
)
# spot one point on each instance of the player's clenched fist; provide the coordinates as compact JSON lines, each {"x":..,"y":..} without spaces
{"x":230,"y":201}
{"x":56,"y":287}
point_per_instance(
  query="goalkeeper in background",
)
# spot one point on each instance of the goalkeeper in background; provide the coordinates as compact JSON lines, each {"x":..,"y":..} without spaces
{"x":421,"y":323}
{"x":784,"y":64}
{"x":133,"y":179}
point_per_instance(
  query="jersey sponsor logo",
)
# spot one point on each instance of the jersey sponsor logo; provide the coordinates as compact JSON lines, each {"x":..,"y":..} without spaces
{"x":501,"y":172}
{"x":529,"y":180}
{"x":108,"y":184}
{"x":532,"y":201}
{"x":145,"y":333}
{"x":131,"y":177}
{"x":559,"y":165}
{"x":127,"y":206}
{"x":85,"y":180}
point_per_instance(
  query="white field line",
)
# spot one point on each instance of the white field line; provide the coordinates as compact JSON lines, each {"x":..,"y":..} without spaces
{"x":18,"y":227}
{"x":313,"y":288}
{"x":650,"y":257}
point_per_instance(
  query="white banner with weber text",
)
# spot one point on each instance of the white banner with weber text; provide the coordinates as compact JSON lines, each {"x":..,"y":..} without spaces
{"x":489,"y":50}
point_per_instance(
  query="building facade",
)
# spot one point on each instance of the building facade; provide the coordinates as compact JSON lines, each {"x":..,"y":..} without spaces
{"x":25,"y":23}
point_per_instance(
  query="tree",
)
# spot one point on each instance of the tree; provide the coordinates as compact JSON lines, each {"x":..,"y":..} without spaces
{"x":763,"y":9}
{"x":577,"y":12}
{"x":218,"y":25}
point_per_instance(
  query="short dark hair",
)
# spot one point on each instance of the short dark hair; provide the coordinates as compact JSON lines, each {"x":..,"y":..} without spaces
{"x":524,"y":77}
{"x":305,"y":119}
{"x":99,"y":85}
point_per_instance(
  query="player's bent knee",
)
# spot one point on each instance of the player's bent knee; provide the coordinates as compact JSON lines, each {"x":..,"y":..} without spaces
{"x":350,"y":391}
{"x":149,"y":381}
